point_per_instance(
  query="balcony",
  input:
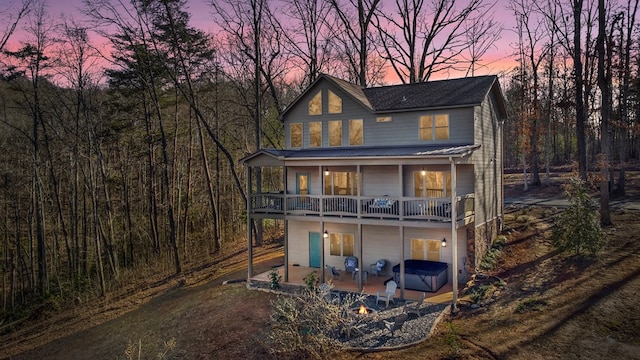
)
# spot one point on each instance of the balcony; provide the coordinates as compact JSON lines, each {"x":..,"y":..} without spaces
{"x":383,"y":207}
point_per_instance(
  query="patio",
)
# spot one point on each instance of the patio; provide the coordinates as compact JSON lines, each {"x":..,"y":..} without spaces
{"x":370,"y":287}
{"x":370,"y":332}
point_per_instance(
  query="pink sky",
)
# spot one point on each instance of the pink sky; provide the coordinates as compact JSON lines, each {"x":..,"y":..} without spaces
{"x":497,"y":60}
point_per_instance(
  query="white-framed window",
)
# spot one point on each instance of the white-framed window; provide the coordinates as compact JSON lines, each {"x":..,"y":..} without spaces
{"x":425,"y":249}
{"x":434,"y":127}
{"x":340,"y":183}
{"x":341,"y":244}
{"x":355,"y":132}
{"x":432,"y":184}
{"x":335,"y":133}
{"x":315,"y":134}
{"x":296,"y":135}
{"x":315,"y":105}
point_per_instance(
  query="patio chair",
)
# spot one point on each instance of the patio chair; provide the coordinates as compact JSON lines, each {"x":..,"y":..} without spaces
{"x":335,"y":273}
{"x":377,"y":268}
{"x":351,"y":264}
{"x":414,"y":308}
{"x":388,"y":294}
{"x":396,"y":324}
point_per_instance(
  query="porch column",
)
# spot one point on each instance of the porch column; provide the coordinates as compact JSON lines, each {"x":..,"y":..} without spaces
{"x":401,"y":230}
{"x":361,"y":261}
{"x":454,"y":234}
{"x":286,"y":251}
{"x":249,"y":219}
{"x":286,"y":225}
{"x":322,"y":240}
{"x":401,"y":193}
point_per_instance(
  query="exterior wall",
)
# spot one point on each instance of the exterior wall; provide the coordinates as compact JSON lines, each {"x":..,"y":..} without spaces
{"x":446,"y":254}
{"x":378,"y":242}
{"x":479,"y":240}
{"x":488,"y":164}
{"x":402,"y":130}
{"x":379,"y":180}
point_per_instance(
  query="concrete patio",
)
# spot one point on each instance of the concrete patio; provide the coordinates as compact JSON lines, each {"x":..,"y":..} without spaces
{"x":370,"y":287}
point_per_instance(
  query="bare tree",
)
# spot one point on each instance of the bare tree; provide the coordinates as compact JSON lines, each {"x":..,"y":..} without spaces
{"x":308,"y":36}
{"x":12,"y":19}
{"x":434,"y":34}
{"x":626,"y":42}
{"x":355,"y":35}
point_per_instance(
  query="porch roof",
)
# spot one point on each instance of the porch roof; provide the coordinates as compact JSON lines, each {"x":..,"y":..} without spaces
{"x":416,"y":151}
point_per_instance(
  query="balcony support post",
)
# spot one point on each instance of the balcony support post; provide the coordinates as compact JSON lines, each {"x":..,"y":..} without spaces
{"x":454,"y":234}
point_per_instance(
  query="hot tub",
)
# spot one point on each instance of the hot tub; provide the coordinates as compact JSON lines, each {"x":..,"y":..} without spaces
{"x":422,"y":275}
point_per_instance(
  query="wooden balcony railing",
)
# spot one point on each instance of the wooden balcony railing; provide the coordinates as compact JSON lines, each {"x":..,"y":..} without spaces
{"x":410,"y":208}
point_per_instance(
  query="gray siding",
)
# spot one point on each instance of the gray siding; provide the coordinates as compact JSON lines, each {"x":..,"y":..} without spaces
{"x":402,"y":130}
{"x":488,"y":163}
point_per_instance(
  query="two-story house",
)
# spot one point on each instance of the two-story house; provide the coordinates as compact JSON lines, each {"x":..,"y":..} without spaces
{"x":395,"y":172}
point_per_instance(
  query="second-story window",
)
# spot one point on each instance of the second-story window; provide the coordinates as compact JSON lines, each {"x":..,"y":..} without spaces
{"x":434,"y":127}
{"x":296,"y":135}
{"x":335,"y":133}
{"x":432,"y":184}
{"x":315,"y":134}
{"x":355,"y":132}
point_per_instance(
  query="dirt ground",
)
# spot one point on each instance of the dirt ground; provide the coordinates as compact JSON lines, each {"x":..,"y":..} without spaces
{"x":552,"y":306}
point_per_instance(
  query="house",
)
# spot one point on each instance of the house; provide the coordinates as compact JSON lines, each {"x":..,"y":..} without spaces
{"x":398,"y":172}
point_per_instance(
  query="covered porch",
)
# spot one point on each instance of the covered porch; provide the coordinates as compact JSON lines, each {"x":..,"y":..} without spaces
{"x":371,"y":286}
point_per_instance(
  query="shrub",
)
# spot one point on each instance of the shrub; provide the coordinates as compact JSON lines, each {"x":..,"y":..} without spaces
{"x":275,"y":279}
{"x":577,"y":228}
{"x":311,"y":281}
{"x":310,"y":325}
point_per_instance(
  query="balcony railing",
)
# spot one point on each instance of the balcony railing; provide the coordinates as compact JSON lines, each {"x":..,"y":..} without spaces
{"x":389,"y":207}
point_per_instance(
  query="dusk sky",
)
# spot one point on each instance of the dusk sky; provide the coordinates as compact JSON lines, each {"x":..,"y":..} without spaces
{"x":498,"y":59}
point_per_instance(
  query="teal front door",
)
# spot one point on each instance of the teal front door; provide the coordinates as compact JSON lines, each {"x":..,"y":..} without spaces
{"x":315,"y":247}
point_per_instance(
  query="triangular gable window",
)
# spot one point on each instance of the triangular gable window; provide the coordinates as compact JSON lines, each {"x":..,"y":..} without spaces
{"x":335,"y":103}
{"x":315,"y":105}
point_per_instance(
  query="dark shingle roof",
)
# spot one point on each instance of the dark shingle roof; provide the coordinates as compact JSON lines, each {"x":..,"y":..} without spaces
{"x":432,"y":94}
{"x":467,"y":91}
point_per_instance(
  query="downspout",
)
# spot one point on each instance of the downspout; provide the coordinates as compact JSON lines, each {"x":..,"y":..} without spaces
{"x":454,"y":234}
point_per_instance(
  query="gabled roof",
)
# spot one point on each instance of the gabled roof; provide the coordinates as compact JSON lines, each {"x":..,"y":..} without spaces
{"x":451,"y":93}
{"x":468,"y":91}
{"x":421,"y":151}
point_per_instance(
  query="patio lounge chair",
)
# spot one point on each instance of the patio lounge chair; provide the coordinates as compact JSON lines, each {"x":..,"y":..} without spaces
{"x":396,"y":324}
{"x":414,"y":308}
{"x":388,"y":294}
{"x":351,"y":264}
{"x":377,"y":268}
{"x":335,"y":273}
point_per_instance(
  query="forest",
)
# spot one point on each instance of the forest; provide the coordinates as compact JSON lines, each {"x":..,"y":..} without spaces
{"x":121,"y":129}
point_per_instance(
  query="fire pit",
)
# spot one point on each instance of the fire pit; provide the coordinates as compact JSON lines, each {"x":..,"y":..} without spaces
{"x":363,"y":310}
